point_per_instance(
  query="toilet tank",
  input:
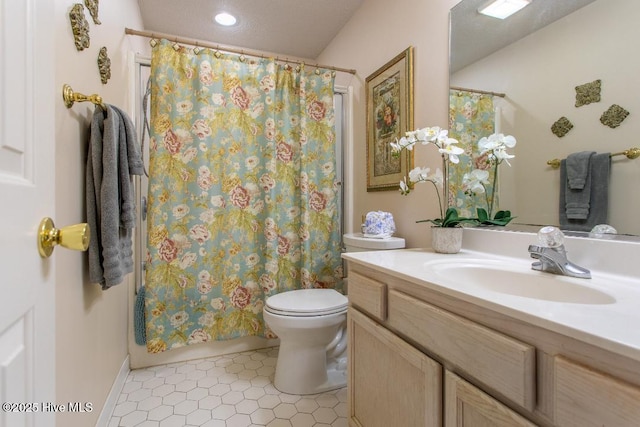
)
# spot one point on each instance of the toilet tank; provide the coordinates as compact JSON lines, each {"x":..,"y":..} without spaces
{"x":356,"y":242}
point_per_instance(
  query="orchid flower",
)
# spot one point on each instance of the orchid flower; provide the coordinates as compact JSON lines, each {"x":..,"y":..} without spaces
{"x":450,"y":150}
{"x":501,"y":154}
{"x":404,"y":188}
{"x":447,"y":147}
{"x":438,"y":177}
{"x":496,"y":145}
{"x":401,"y":144}
{"x":475,"y":181}
{"x":418,"y":174}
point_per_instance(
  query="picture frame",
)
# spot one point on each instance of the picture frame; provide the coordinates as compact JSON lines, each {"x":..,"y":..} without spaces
{"x":389,"y":100}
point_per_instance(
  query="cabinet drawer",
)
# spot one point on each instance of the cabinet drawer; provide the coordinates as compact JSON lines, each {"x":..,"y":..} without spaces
{"x":498,"y":361}
{"x":368,"y":295}
{"x":585,"y":397}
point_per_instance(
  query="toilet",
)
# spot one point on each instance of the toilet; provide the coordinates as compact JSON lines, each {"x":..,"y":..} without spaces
{"x":312,"y":327}
{"x":356,"y":242}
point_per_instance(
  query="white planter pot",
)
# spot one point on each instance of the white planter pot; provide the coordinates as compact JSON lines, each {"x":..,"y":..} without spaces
{"x":446,"y":240}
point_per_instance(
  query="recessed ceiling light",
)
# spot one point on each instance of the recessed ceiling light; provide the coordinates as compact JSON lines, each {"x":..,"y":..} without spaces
{"x":225,"y":19}
{"x":502,"y":9}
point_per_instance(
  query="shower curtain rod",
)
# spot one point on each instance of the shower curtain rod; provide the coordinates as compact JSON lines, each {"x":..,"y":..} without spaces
{"x":483,"y":92}
{"x":201,"y":43}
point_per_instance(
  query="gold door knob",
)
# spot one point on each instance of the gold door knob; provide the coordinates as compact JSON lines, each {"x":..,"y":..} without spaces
{"x":74,"y":237}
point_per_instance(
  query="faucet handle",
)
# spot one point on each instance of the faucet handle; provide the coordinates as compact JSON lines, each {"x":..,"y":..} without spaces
{"x":550,"y":237}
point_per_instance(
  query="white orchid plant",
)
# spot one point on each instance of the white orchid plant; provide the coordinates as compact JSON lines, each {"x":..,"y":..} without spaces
{"x":449,"y":151}
{"x":495,"y":148}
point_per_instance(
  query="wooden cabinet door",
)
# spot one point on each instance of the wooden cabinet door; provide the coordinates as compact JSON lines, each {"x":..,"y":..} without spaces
{"x":468,"y":406}
{"x":390,"y":382}
{"x":588,"y":398}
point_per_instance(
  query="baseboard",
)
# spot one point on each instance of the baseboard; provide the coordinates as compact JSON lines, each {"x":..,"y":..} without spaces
{"x":114,"y":394}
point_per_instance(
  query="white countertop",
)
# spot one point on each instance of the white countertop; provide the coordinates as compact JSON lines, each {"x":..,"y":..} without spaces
{"x":614,"y":326}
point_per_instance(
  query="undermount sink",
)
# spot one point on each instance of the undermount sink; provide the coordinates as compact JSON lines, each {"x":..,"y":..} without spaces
{"x":518,"y":280}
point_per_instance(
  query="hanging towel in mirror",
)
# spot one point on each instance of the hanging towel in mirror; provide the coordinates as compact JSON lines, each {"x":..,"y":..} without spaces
{"x":578,"y":192}
{"x":578,"y":169}
{"x":599,"y":195}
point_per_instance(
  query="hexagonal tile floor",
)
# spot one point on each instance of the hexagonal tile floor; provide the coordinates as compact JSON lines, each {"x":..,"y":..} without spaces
{"x":233,"y":390}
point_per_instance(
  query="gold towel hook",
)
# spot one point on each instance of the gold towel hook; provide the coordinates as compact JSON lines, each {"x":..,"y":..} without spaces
{"x":70,"y":97}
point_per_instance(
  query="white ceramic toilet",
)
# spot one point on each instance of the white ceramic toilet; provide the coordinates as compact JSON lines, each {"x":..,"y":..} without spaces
{"x":311,"y":325}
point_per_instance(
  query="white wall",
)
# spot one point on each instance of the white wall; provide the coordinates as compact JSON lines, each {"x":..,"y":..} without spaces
{"x":91,"y":325}
{"x":538,"y":75}
{"x":377,"y":33}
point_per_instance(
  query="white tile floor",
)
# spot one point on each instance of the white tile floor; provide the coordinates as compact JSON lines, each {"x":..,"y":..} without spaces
{"x":234,"y":390}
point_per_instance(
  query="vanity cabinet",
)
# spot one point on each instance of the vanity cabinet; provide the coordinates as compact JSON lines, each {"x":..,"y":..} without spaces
{"x":468,"y":406}
{"x":418,"y":357}
{"x":390,"y":382}
{"x":589,"y":398}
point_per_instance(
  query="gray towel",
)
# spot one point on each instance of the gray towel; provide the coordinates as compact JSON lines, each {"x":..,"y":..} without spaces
{"x":578,"y":169}
{"x":578,"y":191}
{"x":130,"y":164}
{"x":109,"y":196}
{"x":599,"y":190}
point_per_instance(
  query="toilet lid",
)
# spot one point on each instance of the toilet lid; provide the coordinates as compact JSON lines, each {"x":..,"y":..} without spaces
{"x":307,"y":302}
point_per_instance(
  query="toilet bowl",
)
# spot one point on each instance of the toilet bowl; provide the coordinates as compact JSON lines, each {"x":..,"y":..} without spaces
{"x":311,"y":325}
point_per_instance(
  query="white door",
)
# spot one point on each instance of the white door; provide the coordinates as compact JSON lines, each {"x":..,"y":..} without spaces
{"x":27,"y":143}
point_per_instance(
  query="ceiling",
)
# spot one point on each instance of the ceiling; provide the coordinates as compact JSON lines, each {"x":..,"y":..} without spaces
{"x":474,"y":36}
{"x":297,"y":28}
{"x":303,"y":28}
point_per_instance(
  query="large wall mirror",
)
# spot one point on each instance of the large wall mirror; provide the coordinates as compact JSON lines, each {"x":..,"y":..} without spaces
{"x":536,"y":58}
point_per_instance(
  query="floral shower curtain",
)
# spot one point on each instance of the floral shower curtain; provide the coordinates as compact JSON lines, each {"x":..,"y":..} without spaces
{"x":471,"y":116}
{"x":242,"y":192}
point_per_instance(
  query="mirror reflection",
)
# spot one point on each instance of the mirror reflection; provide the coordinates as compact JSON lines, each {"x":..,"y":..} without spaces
{"x":533,"y":62}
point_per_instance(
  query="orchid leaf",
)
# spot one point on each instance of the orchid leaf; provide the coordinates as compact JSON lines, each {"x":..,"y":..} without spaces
{"x":501,"y":218}
{"x":451,"y":219}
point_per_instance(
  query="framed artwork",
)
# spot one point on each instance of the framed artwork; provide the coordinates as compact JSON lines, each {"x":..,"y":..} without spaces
{"x":389,"y":116}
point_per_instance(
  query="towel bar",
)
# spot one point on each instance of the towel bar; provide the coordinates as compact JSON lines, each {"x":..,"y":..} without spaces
{"x":70,"y":97}
{"x":631,"y":153}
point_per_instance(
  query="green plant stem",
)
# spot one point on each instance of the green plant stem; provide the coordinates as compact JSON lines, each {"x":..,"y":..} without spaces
{"x":493,"y":190}
{"x":486,"y":195}
{"x":445,"y":187}
{"x":439,"y":199}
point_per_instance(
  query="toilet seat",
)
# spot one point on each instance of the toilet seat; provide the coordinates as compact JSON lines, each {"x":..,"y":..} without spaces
{"x":307,"y":303}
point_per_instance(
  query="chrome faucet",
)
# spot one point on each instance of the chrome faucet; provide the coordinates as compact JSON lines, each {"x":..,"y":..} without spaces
{"x":552,"y":255}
